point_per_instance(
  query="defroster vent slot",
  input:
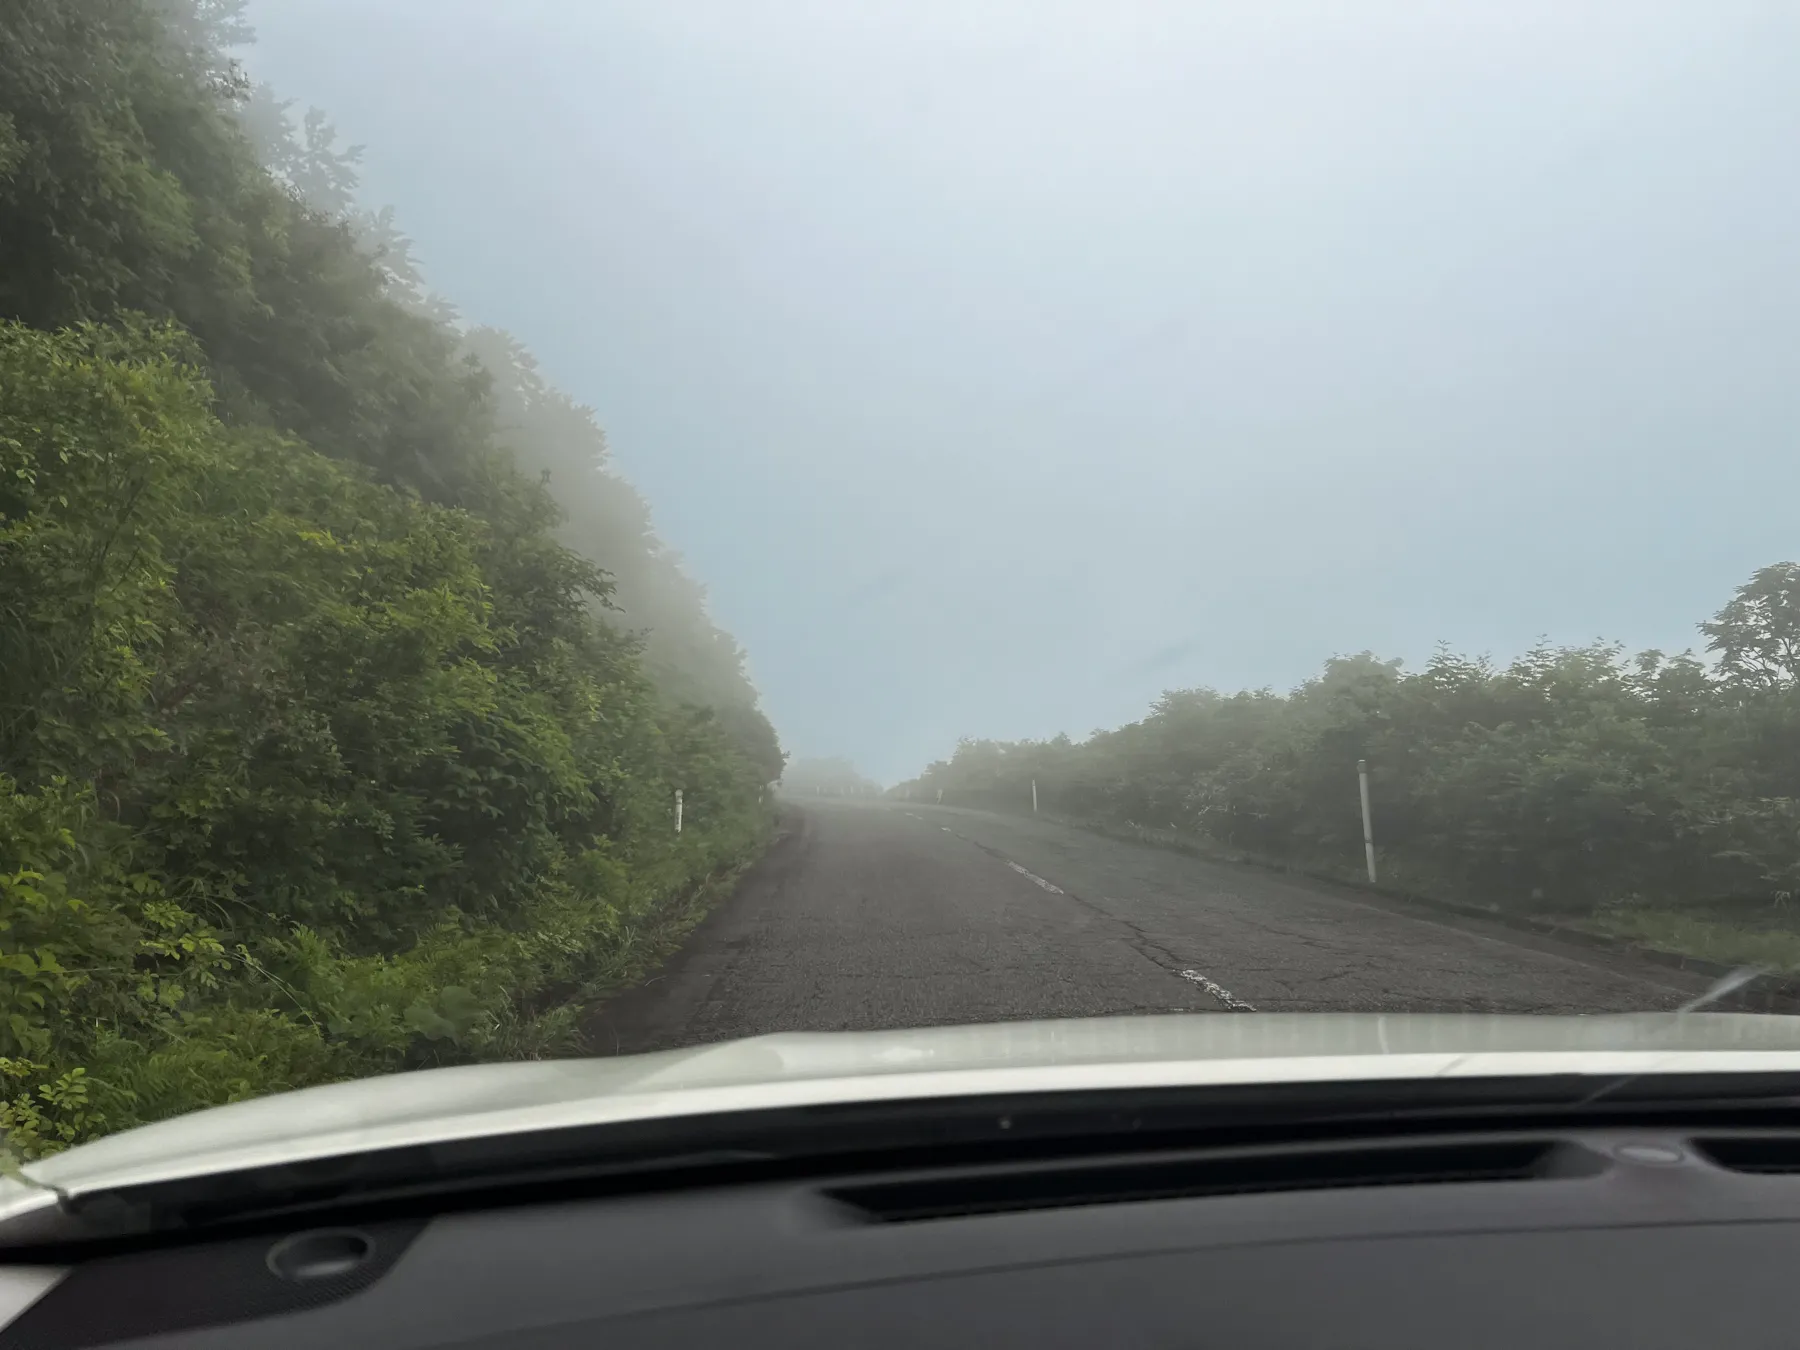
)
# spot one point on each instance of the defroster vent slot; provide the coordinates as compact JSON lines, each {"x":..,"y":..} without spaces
{"x":1003,"y":1190}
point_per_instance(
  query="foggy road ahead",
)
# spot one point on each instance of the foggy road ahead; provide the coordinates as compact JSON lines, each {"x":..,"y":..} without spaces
{"x":872,"y":915}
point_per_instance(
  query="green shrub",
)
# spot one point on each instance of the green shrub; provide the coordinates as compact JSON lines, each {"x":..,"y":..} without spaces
{"x":308,"y":777}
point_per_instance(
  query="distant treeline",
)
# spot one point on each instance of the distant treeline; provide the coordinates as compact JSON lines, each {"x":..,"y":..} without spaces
{"x":343,"y":690}
{"x":1570,"y":780}
{"x":827,"y":777}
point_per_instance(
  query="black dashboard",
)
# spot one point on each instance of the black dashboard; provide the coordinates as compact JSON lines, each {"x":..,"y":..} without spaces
{"x":1631,"y":1237}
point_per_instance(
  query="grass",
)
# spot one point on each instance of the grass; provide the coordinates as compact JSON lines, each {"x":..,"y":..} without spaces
{"x":1710,"y":939}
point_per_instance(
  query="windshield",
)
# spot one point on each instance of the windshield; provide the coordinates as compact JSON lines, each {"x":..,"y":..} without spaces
{"x":534,"y":530}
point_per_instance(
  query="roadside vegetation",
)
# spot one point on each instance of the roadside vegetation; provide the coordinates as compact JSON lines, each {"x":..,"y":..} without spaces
{"x":1653,"y":797}
{"x":344,"y":690}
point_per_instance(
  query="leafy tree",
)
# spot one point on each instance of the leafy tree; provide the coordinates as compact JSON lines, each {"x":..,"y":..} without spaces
{"x":1757,"y":635}
{"x":606,"y":520}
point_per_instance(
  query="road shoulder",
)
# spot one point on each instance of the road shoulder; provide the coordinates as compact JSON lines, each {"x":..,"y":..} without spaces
{"x":656,"y":1013}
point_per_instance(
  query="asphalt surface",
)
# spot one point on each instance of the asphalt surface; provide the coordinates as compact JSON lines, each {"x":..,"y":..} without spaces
{"x":875,"y":915}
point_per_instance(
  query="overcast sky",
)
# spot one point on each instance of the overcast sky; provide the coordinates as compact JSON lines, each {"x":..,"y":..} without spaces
{"x":1000,"y":363}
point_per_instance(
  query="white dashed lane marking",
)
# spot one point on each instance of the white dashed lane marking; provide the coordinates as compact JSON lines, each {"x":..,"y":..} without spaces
{"x":1213,"y":987}
{"x":1034,"y":877}
{"x":1218,"y":991}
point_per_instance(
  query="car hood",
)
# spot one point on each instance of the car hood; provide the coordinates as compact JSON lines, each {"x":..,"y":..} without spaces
{"x":803,"y":1069}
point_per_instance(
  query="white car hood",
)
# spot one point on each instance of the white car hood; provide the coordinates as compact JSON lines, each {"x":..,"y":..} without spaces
{"x":795,"y":1069}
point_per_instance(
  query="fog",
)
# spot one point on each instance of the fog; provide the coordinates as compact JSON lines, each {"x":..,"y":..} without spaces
{"x":997,"y":366}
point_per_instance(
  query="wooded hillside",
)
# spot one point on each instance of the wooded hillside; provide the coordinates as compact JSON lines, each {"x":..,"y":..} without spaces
{"x":326,"y":747}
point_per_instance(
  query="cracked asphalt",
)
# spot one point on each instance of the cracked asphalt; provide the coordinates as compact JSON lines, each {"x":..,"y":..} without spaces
{"x":874,"y":915}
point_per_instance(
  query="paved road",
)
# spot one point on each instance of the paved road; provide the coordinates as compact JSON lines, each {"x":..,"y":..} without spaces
{"x":873,"y":915}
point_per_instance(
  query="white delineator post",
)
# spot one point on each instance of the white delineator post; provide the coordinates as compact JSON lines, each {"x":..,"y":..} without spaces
{"x":940,"y":800}
{"x":1362,"y":784}
{"x":677,"y":810}
{"x":1034,"y":796}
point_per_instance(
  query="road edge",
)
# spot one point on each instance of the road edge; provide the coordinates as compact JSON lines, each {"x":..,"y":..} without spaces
{"x":651,"y":1012}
